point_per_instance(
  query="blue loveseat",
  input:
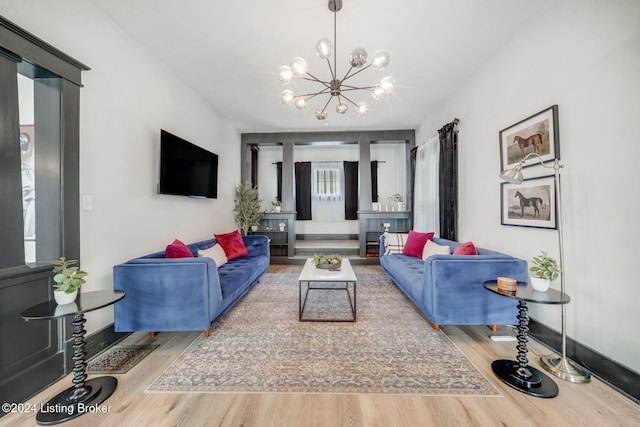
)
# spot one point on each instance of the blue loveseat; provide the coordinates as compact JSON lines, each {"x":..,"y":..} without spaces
{"x":449,"y":289}
{"x":184,"y":294}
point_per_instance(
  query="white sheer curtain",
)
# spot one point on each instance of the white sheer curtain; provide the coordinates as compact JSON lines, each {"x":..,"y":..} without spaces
{"x":327,"y":200}
{"x":426,"y":217}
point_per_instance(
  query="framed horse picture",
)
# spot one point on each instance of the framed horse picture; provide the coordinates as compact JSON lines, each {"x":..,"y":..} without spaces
{"x":531,"y":204}
{"x":536,"y":134}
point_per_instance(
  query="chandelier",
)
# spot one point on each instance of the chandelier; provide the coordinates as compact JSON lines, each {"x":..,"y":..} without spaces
{"x":336,"y":87}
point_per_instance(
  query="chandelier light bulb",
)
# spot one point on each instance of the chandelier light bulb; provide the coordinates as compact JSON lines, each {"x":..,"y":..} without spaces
{"x":286,"y":97}
{"x":324,"y":48}
{"x":362,"y":108}
{"x":380,"y":59}
{"x":298,"y":66}
{"x":321,"y":114}
{"x":358,"y":57}
{"x":341,"y":107}
{"x":378,"y":92}
{"x":387,"y":84}
{"x":285,"y":74}
{"x":300,"y":102}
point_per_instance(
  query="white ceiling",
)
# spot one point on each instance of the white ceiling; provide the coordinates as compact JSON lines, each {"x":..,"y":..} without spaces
{"x":230,"y":51}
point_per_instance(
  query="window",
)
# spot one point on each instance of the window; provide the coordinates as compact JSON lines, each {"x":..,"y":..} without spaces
{"x":327,"y":182}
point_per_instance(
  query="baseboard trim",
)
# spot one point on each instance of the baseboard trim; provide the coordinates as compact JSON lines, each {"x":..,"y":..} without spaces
{"x":619,"y":377}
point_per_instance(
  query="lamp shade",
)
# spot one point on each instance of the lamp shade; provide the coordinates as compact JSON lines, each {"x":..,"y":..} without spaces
{"x":513,"y":175}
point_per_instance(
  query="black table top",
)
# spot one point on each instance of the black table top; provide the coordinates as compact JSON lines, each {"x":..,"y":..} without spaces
{"x":85,"y":302}
{"x":525,"y":292}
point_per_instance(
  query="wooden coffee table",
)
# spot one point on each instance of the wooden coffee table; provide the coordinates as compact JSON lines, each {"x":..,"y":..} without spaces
{"x":319,"y":279}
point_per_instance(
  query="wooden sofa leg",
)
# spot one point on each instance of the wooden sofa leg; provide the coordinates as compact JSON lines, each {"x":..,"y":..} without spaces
{"x":436,"y":327}
{"x":152,"y":334}
{"x":494,"y":328}
{"x":207,"y":332}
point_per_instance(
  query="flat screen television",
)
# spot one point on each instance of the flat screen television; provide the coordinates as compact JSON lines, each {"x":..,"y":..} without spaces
{"x":186,"y":169}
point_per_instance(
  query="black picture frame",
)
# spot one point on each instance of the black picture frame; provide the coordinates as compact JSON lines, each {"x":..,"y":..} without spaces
{"x":538,"y":133}
{"x":530,"y":204}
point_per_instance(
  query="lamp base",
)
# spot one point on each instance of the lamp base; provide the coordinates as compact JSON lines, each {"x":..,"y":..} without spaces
{"x":564,"y":368}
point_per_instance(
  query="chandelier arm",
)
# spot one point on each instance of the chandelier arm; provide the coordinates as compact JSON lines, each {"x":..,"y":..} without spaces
{"x":331,"y":70}
{"x":346,"y":76}
{"x":349,"y":100}
{"x":357,"y":72}
{"x":315,"y":79}
{"x":311,"y":95}
{"x":345,"y":88}
{"x":328,"y":101}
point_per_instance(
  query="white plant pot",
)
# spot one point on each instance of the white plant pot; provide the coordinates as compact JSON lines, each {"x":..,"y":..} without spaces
{"x":254,"y":228}
{"x":62,"y":297}
{"x":539,"y":284}
{"x":278,"y":208}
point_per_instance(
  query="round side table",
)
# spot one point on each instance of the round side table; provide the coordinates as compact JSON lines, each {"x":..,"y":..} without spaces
{"x":72,"y":402}
{"x":518,"y":374}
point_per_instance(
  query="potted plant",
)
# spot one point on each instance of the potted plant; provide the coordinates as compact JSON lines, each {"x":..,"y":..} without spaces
{"x":277,"y":205}
{"x":67,"y":280}
{"x":399,"y":200}
{"x":328,"y":262}
{"x":545,"y":270}
{"x":247,"y":207}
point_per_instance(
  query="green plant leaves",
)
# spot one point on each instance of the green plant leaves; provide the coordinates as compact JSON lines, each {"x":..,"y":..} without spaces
{"x":545,"y":267}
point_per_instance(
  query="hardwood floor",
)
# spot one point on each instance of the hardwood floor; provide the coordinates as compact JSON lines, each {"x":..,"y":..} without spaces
{"x":593,"y":404}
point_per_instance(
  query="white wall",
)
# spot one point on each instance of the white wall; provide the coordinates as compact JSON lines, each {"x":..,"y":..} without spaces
{"x":585,"y":57}
{"x":128,"y":96}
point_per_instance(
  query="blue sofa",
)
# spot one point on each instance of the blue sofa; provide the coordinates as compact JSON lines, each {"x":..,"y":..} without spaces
{"x":449,"y":289}
{"x":184,"y":294}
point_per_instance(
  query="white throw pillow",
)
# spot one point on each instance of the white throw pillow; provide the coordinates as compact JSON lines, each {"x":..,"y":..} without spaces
{"x":394,"y":242}
{"x":216,"y":252}
{"x":431,"y":248}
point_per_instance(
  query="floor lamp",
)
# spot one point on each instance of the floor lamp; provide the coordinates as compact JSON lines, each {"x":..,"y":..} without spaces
{"x":561,"y":366}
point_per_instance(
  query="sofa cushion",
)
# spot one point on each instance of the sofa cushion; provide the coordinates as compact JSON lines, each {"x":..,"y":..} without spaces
{"x":466,"y":248}
{"x":415,"y":243}
{"x":432,"y":248}
{"x":394,"y":242}
{"x":232,"y":244}
{"x":216,"y":253}
{"x":177,"y":249}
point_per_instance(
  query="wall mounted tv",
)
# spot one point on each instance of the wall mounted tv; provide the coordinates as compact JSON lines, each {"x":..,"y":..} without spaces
{"x":186,"y":169}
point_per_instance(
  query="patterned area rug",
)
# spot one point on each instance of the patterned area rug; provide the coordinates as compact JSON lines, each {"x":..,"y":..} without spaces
{"x":119,"y":359}
{"x":260,"y":347}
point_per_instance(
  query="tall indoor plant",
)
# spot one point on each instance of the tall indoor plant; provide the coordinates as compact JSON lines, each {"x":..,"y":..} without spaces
{"x":247,"y":207}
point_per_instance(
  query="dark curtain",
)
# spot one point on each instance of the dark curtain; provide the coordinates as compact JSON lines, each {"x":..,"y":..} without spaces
{"x":374,"y":181}
{"x":279,"y":178}
{"x":449,"y":181}
{"x":350,"y":190}
{"x":412,"y":159}
{"x":254,"y":165}
{"x":303,"y":190}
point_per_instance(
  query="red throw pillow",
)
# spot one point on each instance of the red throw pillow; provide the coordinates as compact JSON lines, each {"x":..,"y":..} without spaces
{"x":415,"y":243}
{"x":232,"y":244}
{"x":177,"y":249}
{"x":466,"y":248}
